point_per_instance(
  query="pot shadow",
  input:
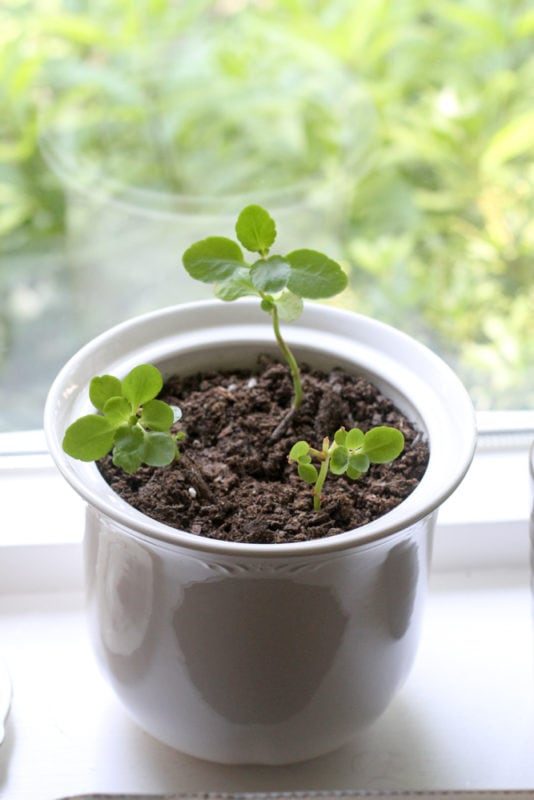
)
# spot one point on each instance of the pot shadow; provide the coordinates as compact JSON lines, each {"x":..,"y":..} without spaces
{"x":389,"y":755}
{"x":263,"y":677}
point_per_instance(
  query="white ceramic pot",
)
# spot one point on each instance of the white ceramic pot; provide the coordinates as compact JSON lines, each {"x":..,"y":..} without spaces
{"x":244,"y":653}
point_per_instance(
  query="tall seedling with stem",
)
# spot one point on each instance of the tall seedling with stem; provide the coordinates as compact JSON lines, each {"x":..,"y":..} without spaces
{"x":280,"y":282}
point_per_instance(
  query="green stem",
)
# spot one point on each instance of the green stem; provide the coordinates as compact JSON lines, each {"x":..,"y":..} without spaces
{"x":290,"y":358}
{"x":319,"y":483}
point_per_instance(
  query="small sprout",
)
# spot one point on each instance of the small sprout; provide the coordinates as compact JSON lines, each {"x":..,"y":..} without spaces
{"x":351,"y":453}
{"x":131,"y":422}
{"x":281,"y":282}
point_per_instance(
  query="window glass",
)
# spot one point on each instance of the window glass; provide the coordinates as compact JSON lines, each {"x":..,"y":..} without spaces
{"x":398,"y":137}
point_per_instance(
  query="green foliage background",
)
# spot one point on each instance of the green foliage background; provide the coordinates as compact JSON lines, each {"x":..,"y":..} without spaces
{"x":438,"y":205}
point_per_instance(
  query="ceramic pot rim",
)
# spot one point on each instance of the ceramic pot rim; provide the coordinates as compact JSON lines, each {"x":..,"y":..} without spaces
{"x":208,"y":330}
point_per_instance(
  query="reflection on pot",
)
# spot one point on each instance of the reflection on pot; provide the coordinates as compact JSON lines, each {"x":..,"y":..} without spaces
{"x":120,"y":589}
{"x":126,"y":590}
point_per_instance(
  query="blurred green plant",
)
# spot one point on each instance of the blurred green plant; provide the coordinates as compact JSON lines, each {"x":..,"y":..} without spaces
{"x":443,"y":224}
{"x":214,"y":110}
{"x":439,"y":207}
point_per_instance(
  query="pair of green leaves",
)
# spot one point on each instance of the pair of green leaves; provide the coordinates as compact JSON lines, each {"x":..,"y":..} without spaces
{"x":351,"y":453}
{"x":278,"y":280}
{"x":132,"y":422}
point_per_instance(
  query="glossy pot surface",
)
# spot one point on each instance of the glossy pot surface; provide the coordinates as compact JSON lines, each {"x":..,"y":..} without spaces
{"x":244,"y":653}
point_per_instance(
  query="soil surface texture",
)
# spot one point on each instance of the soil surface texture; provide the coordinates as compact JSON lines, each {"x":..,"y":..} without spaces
{"x":233,"y":480}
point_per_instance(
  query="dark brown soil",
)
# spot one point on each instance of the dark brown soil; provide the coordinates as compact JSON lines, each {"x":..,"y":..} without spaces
{"x":234,"y":481}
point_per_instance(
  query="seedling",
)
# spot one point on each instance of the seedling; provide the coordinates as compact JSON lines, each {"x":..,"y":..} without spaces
{"x":132,"y":422}
{"x":351,"y":453}
{"x":281,"y":282}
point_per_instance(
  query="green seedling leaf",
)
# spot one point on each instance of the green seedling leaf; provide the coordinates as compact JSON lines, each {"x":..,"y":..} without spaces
{"x":157,"y":415}
{"x":359,"y":463}
{"x":307,"y":472}
{"x":213,"y":259}
{"x":354,"y":439}
{"x":89,"y":438}
{"x":160,"y":449}
{"x":128,"y":453}
{"x":339,"y":460}
{"x":270,"y":275}
{"x":102,"y":388}
{"x":289,"y":306}
{"x":383,"y":444}
{"x":340,"y":436}
{"x":117,"y":410}
{"x":352,"y":473}
{"x":314,"y":275}
{"x":298,"y":450}
{"x":142,"y":384}
{"x":255,"y":229}
{"x":237,"y":285}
